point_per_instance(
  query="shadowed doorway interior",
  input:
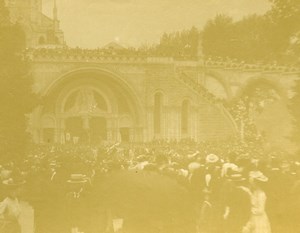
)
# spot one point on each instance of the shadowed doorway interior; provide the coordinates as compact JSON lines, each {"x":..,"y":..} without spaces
{"x":125,"y":136}
{"x":97,"y":128}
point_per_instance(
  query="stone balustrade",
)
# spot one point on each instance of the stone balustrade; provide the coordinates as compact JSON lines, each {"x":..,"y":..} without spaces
{"x":251,"y":67}
{"x":135,"y":56}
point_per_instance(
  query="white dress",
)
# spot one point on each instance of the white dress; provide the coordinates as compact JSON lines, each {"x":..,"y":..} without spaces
{"x":259,"y":222}
{"x":10,"y":211}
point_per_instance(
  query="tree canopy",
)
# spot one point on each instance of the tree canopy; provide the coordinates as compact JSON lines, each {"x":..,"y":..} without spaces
{"x":175,"y":44}
{"x":295,"y":111}
{"x":273,"y":36}
{"x":265,"y":37}
{"x":16,"y":97}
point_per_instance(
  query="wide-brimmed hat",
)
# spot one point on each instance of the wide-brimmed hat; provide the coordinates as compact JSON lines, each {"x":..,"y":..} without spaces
{"x":194,"y":166}
{"x":236,"y":177}
{"x":53,"y":163}
{"x":285,"y":164}
{"x":258,"y":175}
{"x":193,"y":155}
{"x":11,"y":182}
{"x":77,"y":179}
{"x":228,"y":169}
{"x":212,"y":158}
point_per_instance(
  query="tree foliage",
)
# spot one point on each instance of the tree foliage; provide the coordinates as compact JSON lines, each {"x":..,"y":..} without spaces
{"x":4,"y":14}
{"x":271,"y":37}
{"x":176,"y":44}
{"x":16,"y":98}
{"x":217,"y":36}
{"x":256,"y":37}
{"x":295,"y":111}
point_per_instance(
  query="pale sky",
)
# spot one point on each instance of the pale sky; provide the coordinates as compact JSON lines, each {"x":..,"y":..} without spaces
{"x":94,"y":23}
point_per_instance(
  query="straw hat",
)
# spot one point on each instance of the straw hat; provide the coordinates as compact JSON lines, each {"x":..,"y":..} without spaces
{"x":212,"y":158}
{"x":237,"y":177}
{"x":193,"y":166}
{"x":258,"y":175}
{"x":77,"y":179}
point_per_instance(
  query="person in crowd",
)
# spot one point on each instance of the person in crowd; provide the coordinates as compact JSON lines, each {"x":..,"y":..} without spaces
{"x":237,"y":203}
{"x":75,"y":201}
{"x":206,"y":215}
{"x":10,"y":209}
{"x":294,"y":205}
{"x":219,"y":169}
{"x":259,"y":221}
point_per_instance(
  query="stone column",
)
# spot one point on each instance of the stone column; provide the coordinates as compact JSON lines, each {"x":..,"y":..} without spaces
{"x":60,"y":130}
{"x":173,"y":124}
{"x":132,"y":134}
{"x":149,"y":126}
{"x":194,"y":123}
{"x":56,"y":132}
{"x":41,"y":135}
{"x":113,"y":129}
{"x":85,"y":120}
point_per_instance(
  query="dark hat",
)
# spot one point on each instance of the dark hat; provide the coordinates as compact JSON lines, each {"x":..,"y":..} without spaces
{"x":11,"y":182}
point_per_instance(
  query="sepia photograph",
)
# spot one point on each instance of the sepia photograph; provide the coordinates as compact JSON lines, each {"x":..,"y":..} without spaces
{"x":149,"y":116}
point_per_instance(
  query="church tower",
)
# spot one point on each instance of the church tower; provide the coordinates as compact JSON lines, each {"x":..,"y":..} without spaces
{"x":55,"y":11}
{"x":40,"y":29}
{"x":55,"y":17}
{"x":36,"y":9}
{"x":55,"y":36}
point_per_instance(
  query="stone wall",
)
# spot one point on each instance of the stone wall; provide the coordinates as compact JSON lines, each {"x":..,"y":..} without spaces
{"x":144,"y":78}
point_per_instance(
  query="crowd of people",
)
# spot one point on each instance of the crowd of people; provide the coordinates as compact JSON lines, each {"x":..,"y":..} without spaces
{"x":225,"y":187}
{"x":85,"y":53}
{"x":253,"y":65}
{"x":68,"y":52}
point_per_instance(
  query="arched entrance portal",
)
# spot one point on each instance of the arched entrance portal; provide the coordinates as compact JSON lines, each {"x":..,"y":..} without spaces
{"x":90,"y":107}
{"x":85,"y":113}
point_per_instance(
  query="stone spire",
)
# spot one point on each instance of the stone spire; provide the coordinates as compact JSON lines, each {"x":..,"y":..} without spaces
{"x":55,"y":17}
{"x":55,"y":11}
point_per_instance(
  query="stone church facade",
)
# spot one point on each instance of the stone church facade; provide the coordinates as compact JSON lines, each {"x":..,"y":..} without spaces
{"x":120,"y":99}
{"x":129,"y":99}
{"x":94,"y":97}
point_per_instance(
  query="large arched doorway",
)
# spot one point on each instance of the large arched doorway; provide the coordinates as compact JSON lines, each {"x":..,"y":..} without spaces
{"x":85,"y":112}
{"x":90,"y":106}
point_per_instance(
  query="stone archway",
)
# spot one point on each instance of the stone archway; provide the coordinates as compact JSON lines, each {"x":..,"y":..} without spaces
{"x":84,"y":113}
{"x":88,"y":106}
{"x":271,"y":115}
{"x":217,"y":85}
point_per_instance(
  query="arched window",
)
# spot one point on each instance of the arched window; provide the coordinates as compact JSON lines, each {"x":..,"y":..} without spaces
{"x":42,"y":40}
{"x":157,"y":112}
{"x":56,"y":40}
{"x":185,"y":117}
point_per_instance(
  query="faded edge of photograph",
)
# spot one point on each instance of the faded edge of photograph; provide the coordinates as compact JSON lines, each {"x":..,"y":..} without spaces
{"x":153,"y":116}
